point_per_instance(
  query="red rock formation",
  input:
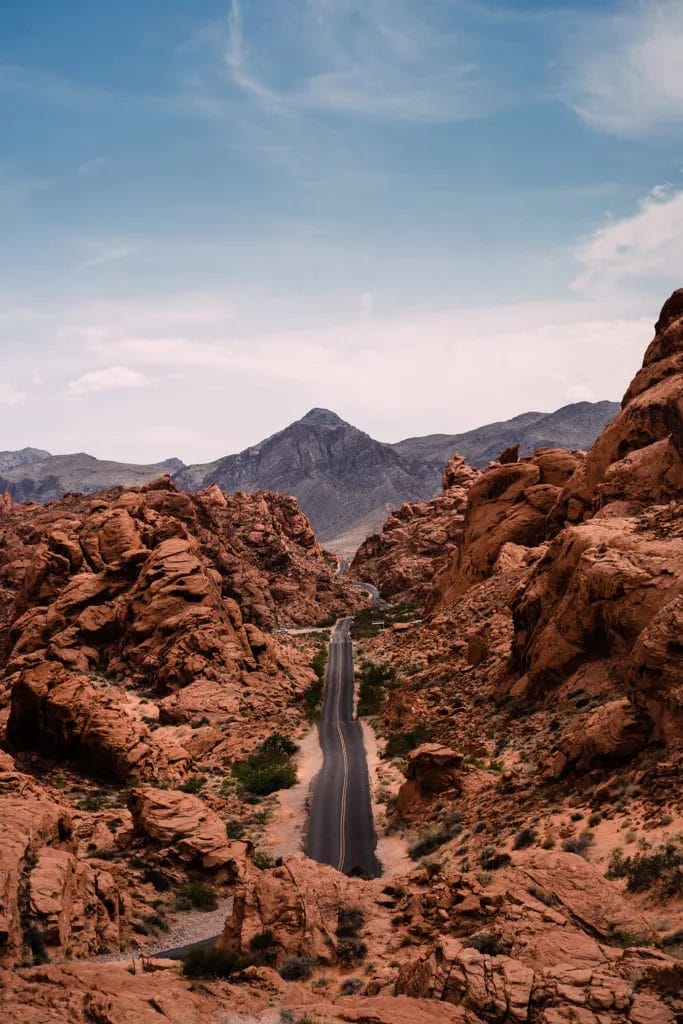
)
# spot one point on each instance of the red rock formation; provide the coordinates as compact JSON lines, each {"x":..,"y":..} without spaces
{"x":507,"y":504}
{"x":417,"y":540}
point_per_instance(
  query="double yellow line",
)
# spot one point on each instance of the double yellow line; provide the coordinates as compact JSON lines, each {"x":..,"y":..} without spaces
{"x":345,"y":758}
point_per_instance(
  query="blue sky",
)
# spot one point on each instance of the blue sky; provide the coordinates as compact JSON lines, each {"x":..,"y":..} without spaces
{"x":425,"y":214}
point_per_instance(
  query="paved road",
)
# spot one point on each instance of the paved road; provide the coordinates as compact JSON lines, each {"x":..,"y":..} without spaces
{"x":341,"y":830}
{"x":374,"y":594}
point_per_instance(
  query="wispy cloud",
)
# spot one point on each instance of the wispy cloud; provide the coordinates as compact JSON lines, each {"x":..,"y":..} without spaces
{"x":384,"y":60}
{"x":89,"y":167}
{"x":112,"y":377}
{"x":626,"y":71}
{"x":105,"y":252}
{"x":648,"y":244}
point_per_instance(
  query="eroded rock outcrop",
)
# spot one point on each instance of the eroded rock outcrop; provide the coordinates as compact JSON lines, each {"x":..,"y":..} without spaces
{"x":508,"y":504}
{"x":417,"y":540}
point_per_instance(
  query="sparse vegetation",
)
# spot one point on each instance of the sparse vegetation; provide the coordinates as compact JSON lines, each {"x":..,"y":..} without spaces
{"x":429,"y":841}
{"x":373,"y":681}
{"x":660,"y":871}
{"x":194,"y":784}
{"x":578,"y":844}
{"x":269,"y":767}
{"x":399,"y":744}
{"x":296,"y":968}
{"x":196,"y":895}
{"x":262,"y":860}
{"x":524,"y":839}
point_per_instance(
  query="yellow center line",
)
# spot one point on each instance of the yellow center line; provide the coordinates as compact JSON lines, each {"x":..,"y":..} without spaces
{"x":345,"y":783}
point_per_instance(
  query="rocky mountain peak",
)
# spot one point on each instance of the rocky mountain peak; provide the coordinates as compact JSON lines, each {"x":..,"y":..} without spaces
{"x":322,"y":418}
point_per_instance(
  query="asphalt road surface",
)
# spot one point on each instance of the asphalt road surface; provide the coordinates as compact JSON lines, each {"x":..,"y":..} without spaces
{"x":378,"y":601}
{"x":341,"y":830}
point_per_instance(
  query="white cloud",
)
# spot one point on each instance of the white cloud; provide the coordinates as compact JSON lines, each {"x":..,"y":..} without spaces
{"x":627,"y":71}
{"x":106,"y":380}
{"x":648,"y":244}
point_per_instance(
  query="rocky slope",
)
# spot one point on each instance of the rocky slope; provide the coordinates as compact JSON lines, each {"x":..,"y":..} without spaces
{"x":134,"y":658}
{"x":417,"y":540}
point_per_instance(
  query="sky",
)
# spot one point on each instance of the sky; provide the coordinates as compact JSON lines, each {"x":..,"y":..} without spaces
{"x":423,"y":214}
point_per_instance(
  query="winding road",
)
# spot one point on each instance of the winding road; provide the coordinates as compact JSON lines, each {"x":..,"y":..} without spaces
{"x":341,"y":829}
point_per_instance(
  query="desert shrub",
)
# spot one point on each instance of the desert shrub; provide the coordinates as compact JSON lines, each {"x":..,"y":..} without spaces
{"x":399,"y":744}
{"x":157,"y":878}
{"x":262,"y":941}
{"x":660,"y":871}
{"x":594,"y":819}
{"x":313,"y":695}
{"x":213,"y":963}
{"x":487,"y":942}
{"x":548,"y":843}
{"x":156,"y":922}
{"x":350,"y":986}
{"x":373,"y":681}
{"x":351,"y":951}
{"x":625,"y":938}
{"x":429,"y":841}
{"x":196,"y":895}
{"x":262,"y":860}
{"x":296,"y":968}
{"x":269,"y":767}
{"x":92,"y":802}
{"x":578,"y":844}
{"x":349,"y":921}
{"x":194,"y":784}
{"x":491,"y":860}
{"x":319,"y":662}
{"x":234,"y":829}
{"x":527,"y":837}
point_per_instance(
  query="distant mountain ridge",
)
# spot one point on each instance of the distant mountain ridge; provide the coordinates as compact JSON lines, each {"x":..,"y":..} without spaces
{"x":34,"y":475}
{"x":346,"y":482}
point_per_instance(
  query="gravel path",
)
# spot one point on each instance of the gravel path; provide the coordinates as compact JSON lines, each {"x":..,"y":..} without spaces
{"x":191,"y":926}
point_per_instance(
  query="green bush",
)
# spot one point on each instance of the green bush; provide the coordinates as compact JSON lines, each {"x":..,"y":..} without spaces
{"x":194,"y":784}
{"x":262,"y":860}
{"x":214,"y":963}
{"x":373,"y":681}
{"x":660,"y":871}
{"x":319,"y":662}
{"x":269,"y":767}
{"x":313,"y":695}
{"x":399,"y":744}
{"x":196,"y":896}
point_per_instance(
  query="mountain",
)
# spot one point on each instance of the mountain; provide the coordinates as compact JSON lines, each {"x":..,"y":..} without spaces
{"x":346,"y":482}
{"x":24,"y":457}
{"x":34,"y":475}
{"x":342,"y":478}
{"x":572,"y":426}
